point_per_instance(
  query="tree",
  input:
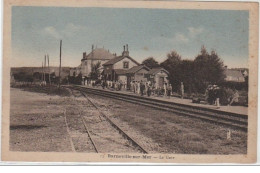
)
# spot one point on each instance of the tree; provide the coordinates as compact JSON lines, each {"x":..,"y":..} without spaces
{"x":187,"y":75}
{"x":151,"y":62}
{"x":173,"y":65}
{"x":95,"y":71}
{"x":208,"y":69}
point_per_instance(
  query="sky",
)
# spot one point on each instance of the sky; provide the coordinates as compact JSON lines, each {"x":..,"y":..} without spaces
{"x":37,"y":31}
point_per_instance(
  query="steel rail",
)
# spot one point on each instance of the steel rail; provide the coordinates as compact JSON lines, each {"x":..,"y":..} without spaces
{"x":134,"y":142}
{"x":237,"y":121}
{"x":85,"y":126}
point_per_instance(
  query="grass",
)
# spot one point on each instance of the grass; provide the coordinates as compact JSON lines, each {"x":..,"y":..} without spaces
{"x":177,"y":134}
{"x":48,"y":89}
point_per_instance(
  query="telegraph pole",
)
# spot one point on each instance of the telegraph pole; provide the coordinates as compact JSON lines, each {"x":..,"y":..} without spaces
{"x":49,"y":69}
{"x":44,"y":69}
{"x":60,"y":63}
{"x":42,"y":72}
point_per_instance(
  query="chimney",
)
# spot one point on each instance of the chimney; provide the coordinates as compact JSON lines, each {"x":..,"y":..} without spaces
{"x":92,"y":47}
{"x":125,"y":52}
{"x":84,"y":55}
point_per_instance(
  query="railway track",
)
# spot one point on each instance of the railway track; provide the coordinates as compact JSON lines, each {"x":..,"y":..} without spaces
{"x":104,"y":134}
{"x":227,"y":119}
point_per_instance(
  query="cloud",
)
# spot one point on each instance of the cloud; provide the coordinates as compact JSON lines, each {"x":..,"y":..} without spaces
{"x":178,"y":37}
{"x":69,"y":30}
{"x":193,"y":32}
{"x":188,"y":36}
{"x":52,"y":32}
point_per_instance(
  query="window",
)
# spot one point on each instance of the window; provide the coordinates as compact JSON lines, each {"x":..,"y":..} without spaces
{"x":126,"y":64}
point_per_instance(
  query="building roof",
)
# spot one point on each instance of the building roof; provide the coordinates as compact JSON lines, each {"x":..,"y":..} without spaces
{"x":117,"y":59}
{"x":233,"y":73}
{"x":156,"y":70}
{"x":120,"y":71}
{"x":99,"y":54}
{"x":136,"y":69}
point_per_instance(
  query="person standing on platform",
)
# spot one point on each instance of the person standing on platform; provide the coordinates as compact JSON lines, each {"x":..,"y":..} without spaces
{"x":142,"y":86}
{"x":134,"y":87}
{"x":182,"y":90}
{"x":138,"y":87}
{"x":169,"y":90}
{"x":235,"y":98}
{"x":148,"y":90}
{"x":165,"y":89}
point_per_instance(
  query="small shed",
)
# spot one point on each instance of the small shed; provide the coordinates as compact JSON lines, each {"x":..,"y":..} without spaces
{"x":158,"y":76}
{"x":137,"y":73}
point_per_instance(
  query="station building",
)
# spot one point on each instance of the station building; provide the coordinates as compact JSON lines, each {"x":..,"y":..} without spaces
{"x":116,"y":68}
{"x":96,"y":55}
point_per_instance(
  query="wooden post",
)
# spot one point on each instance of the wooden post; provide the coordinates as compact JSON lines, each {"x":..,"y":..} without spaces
{"x":60,"y":63}
{"x":42,"y":72}
{"x":49,"y":70}
{"x":44,"y":69}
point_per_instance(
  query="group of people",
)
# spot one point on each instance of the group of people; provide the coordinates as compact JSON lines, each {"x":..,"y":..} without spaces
{"x":149,"y":88}
{"x":118,"y":85}
{"x":214,"y":93}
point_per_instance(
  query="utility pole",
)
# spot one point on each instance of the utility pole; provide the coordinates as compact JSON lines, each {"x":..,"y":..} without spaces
{"x":44,"y":69}
{"x":60,"y":63}
{"x":42,"y":72}
{"x":49,"y":69}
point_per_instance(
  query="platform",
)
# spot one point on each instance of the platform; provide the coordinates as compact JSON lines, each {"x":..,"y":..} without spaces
{"x":232,"y":109}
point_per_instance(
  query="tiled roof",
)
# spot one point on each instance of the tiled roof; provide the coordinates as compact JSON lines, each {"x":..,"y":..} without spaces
{"x":156,"y":70}
{"x":114,"y":60}
{"x":136,"y":69}
{"x":100,"y":54}
{"x":233,"y":73}
{"x":119,"y":58}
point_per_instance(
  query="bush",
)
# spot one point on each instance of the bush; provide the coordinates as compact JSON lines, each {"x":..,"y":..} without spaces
{"x":225,"y":95}
{"x":235,"y":85}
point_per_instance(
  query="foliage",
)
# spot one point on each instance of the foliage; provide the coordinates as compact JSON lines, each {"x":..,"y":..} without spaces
{"x":196,"y":75}
{"x":173,"y":65}
{"x":235,"y":85}
{"x":151,"y":62}
{"x":77,"y":80}
{"x":208,"y":69}
{"x":95,"y":71}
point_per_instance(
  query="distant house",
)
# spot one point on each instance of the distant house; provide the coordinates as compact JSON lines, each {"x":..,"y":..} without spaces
{"x":234,"y":75}
{"x":158,"y":76}
{"x":116,"y":68}
{"x":96,"y":55}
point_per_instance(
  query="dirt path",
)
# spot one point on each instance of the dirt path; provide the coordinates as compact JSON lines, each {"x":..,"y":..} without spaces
{"x":37,"y":123}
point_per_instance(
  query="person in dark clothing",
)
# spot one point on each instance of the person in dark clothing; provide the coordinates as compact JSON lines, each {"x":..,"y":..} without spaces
{"x":142,"y":88}
{"x":103,"y":84}
{"x":148,"y":90}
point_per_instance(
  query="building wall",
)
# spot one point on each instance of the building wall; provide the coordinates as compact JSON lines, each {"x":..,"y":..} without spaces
{"x":122,"y":78}
{"x":157,"y":77}
{"x":235,"y":79}
{"x":140,"y":75}
{"x":86,"y":66}
{"x":108,"y":69}
{"x":120,"y":64}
